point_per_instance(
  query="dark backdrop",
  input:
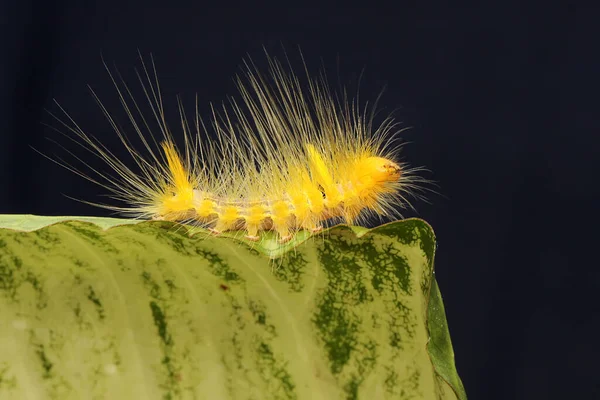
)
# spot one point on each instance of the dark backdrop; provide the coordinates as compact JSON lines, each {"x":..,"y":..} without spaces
{"x":503,"y":107}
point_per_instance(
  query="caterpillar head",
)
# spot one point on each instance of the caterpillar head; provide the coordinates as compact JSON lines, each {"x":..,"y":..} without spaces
{"x":380,"y":171}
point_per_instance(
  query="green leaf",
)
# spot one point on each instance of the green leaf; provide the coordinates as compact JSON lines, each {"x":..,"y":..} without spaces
{"x":120,"y":309}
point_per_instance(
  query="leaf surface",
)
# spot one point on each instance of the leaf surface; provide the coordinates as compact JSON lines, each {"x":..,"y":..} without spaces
{"x":110,"y":308}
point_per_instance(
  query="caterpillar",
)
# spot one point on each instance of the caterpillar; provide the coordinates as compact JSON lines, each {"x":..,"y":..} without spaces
{"x":287,"y":155}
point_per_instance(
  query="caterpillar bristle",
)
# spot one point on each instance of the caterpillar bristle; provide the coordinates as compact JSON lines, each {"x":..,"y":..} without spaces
{"x":287,"y":156}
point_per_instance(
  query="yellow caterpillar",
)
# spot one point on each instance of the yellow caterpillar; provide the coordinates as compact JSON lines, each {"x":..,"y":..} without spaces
{"x":289,"y":155}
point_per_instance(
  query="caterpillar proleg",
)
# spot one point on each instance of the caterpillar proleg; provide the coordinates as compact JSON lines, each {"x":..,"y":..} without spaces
{"x":288,"y":154}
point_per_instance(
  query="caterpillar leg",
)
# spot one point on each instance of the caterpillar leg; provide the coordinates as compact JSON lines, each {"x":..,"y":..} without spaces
{"x":312,"y":227}
{"x":252,"y":233}
{"x":285,"y":239}
{"x":316,"y":229}
{"x":214,"y":231}
{"x":284,"y":233}
{"x":223,"y":223}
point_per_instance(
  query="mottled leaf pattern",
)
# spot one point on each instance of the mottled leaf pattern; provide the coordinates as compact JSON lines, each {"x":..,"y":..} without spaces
{"x":146,"y":311}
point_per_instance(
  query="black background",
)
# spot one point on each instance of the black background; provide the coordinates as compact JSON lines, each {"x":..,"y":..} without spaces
{"x":503,"y":105}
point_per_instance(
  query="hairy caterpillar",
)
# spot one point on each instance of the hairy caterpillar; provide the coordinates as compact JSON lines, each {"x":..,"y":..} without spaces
{"x":288,"y":156}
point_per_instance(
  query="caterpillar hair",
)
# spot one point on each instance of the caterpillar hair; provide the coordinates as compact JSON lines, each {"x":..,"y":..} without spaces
{"x":288,"y":154}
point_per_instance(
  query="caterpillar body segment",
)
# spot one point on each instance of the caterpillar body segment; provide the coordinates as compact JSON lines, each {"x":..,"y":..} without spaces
{"x":288,"y":155}
{"x":306,"y":205}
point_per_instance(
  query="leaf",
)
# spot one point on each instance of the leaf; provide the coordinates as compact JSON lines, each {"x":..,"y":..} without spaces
{"x":120,"y":309}
{"x":28,"y":223}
